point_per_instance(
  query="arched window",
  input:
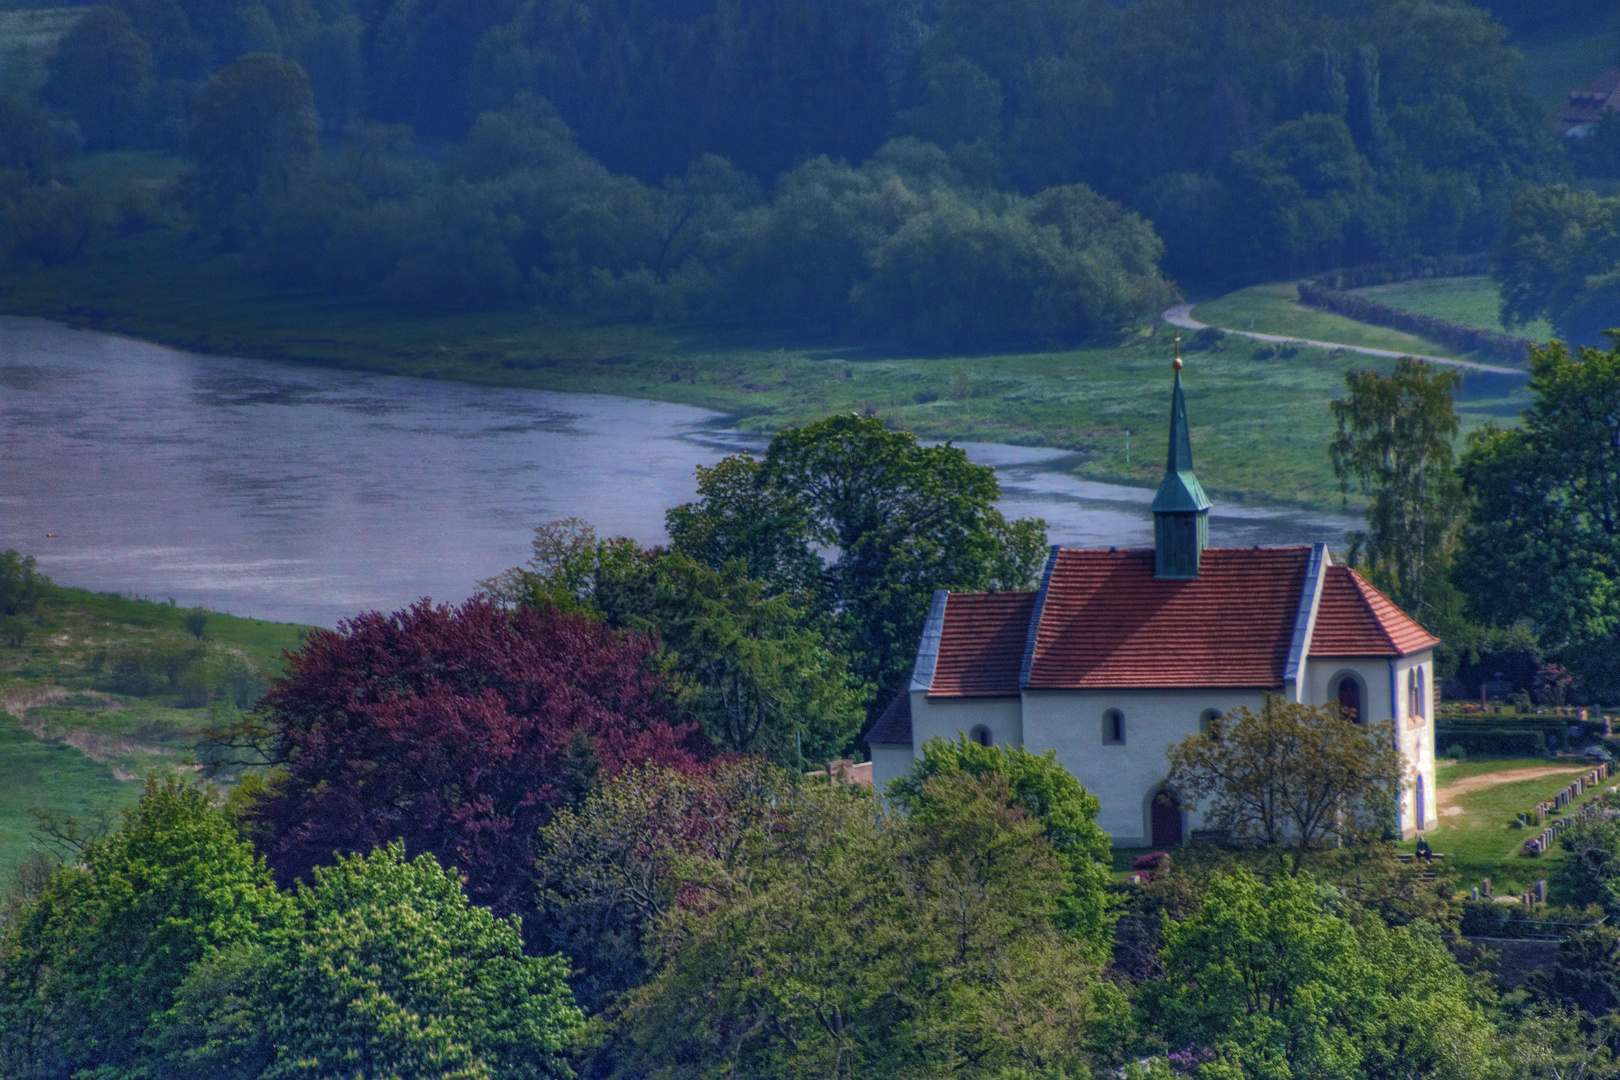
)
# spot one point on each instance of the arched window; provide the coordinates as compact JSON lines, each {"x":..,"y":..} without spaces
{"x":1113,"y":727}
{"x":1208,"y":723}
{"x":1350,"y":698}
{"x":1417,"y":706}
{"x":980,"y":734}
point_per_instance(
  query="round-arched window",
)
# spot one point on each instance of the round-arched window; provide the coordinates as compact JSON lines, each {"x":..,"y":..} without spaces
{"x":1209,"y":723}
{"x":1113,"y":727}
{"x":1350,"y":698}
{"x":980,"y":734}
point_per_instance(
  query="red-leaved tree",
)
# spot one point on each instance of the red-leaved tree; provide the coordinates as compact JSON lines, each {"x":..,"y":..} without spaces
{"x":458,"y":730}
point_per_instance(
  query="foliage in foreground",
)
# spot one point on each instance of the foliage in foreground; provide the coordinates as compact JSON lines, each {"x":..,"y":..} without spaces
{"x":1049,"y":794}
{"x":1543,"y":540}
{"x":169,"y":951}
{"x":877,"y":945}
{"x":1291,"y":775}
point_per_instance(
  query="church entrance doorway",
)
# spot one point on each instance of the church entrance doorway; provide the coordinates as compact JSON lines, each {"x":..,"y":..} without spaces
{"x":1166,"y":816}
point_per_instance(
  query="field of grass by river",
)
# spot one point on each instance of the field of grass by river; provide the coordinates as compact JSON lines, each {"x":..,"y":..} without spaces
{"x":105,"y":691}
{"x":1472,"y":301}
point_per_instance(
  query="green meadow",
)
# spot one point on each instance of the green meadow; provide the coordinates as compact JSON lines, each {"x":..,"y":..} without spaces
{"x":106,"y":691}
{"x":1472,"y":301}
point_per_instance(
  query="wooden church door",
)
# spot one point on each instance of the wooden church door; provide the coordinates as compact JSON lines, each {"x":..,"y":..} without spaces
{"x":1166,"y":817}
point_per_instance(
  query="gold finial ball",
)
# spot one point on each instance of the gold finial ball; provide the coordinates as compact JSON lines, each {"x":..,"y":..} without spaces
{"x":1177,"y":363}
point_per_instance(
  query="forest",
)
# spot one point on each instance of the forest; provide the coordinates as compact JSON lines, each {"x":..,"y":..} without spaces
{"x":946,"y":175}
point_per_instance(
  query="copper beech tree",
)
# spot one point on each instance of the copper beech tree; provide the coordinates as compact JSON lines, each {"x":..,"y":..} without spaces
{"x":457,"y":730}
{"x":1291,"y":776}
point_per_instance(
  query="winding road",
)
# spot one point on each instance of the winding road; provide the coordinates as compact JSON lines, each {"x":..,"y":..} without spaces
{"x":1181,"y":315}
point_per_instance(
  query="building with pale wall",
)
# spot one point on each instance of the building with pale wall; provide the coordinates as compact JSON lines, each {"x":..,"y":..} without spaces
{"x":1121,"y":653}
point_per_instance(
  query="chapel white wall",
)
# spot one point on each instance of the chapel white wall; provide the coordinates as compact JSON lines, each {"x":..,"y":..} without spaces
{"x":1384,"y":697}
{"x":1123,"y":777}
{"x":890,"y":760}
{"x":951,"y":718}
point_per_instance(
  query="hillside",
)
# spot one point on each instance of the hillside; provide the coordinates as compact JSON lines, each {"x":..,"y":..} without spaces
{"x":105,"y":691}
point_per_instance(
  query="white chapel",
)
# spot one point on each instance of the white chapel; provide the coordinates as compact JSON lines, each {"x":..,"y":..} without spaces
{"x":1120,"y":653}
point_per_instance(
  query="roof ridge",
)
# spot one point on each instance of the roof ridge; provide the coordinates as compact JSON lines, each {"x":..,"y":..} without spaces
{"x":1035,"y":615}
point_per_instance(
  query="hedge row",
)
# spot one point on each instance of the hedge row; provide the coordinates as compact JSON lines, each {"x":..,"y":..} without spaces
{"x":1515,"y":350}
{"x":1492,"y":742}
{"x":1419,"y":266}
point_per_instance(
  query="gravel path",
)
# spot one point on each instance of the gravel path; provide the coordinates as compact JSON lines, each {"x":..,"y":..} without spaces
{"x":1181,"y":315}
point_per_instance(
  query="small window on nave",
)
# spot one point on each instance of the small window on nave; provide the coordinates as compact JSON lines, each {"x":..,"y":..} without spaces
{"x":1113,"y":726}
{"x":981,"y":735}
{"x":1209,"y":723}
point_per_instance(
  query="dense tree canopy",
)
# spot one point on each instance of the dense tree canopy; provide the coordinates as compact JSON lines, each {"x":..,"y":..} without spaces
{"x":1559,"y":257}
{"x":905,"y":519}
{"x":458,"y":730}
{"x":97,"y":958}
{"x":951,"y":175}
{"x":1543,"y":539}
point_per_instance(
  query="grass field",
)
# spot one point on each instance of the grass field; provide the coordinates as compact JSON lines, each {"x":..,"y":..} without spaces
{"x":71,"y":743}
{"x":1476,"y":832}
{"x":1275,"y":309}
{"x":1472,"y":301}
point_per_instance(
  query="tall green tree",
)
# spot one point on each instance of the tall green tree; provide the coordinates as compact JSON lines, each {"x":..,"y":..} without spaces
{"x":97,"y":958}
{"x":1543,"y":540}
{"x":1394,"y":443}
{"x":384,"y":970}
{"x":1291,"y":775}
{"x":1049,"y":794}
{"x":1558,"y":257}
{"x":254,"y":132}
{"x":904,"y":518}
{"x":100,"y":75}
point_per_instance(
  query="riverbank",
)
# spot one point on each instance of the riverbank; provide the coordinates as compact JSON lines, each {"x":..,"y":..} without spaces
{"x":1261,"y":425}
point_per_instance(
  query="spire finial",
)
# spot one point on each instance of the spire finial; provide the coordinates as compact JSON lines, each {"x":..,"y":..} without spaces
{"x":1177,"y":362}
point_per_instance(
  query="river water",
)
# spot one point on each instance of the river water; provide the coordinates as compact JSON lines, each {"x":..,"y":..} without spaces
{"x":306,"y":494}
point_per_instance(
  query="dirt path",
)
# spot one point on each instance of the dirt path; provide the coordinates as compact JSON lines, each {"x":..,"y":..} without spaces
{"x":1446,"y":798}
{"x":1181,"y":315}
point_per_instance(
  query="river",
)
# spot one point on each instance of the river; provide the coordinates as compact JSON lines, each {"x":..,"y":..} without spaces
{"x":307,"y":494}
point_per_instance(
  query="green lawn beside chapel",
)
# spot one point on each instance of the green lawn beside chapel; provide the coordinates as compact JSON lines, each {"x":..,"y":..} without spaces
{"x":1481,"y":841}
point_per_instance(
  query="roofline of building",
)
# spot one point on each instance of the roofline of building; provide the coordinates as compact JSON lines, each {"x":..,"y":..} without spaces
{"x":1310,"y":601}
{"x":1035,"y":617}
{"x":922,"y":675}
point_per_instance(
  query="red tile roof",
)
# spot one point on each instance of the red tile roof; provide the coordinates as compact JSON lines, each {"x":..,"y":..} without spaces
{"x":1109,"y":623}
{"x":981,"y":647}
{"x":1355,"y":619}
{"x":1588,"y":105}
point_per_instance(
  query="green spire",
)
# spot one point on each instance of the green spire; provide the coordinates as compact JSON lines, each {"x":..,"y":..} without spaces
{"x":1180,"y":509}
{"x":1180,"y":492}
